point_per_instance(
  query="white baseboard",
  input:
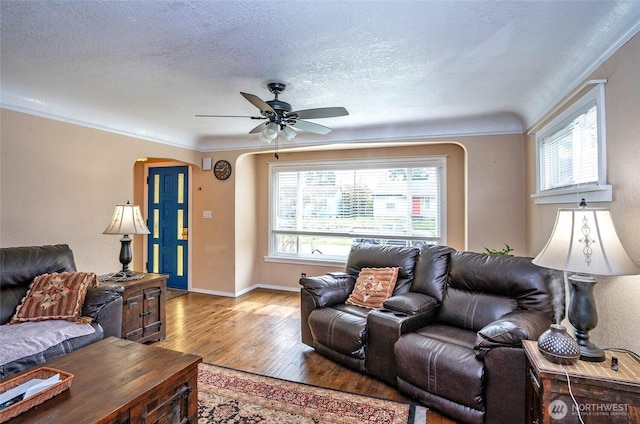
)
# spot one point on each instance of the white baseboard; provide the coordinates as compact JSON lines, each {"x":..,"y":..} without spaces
{"x":245,"y":291}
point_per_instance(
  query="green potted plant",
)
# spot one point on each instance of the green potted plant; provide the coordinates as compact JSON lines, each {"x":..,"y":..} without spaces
{"x":504,"y":252}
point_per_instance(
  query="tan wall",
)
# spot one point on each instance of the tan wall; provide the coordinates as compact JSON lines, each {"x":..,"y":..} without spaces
{"x":60,"y":182}
{"x":228,"y":250}
{"x":274,"y":273}
{"x":617,"y":298}
{"x":495,"y":204}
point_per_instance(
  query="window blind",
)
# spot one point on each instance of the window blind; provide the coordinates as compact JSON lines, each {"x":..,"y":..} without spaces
{"x":569,"y":152}
{"x":322,"y":208}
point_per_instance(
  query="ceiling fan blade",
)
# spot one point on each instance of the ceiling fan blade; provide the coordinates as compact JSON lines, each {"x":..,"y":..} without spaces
{"x":259,"y":103}
{"x":259,"y":128}
{"x":230,"y":116}
{"x":322,"y":112}
{"x":311,"y":127}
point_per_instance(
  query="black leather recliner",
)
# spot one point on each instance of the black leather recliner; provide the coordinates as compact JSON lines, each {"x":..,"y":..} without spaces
{"x":469,"y":363}
{"x":450,"y":336}
{"x":361,"y":338}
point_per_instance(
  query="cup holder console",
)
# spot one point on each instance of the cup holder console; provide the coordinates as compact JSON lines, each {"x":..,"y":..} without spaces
{"x":395,"y":314}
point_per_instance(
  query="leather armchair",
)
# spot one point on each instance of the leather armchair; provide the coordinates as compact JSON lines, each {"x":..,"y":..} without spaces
{"x":468,"y":363}
{"x":338,"y":330}
{"x":361,"y":338}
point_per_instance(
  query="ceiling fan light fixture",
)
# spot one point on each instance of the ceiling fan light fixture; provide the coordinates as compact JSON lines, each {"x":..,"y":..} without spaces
{"x":269,"y":133}
{"x":280,"y":117}
{"x":289,"y":133}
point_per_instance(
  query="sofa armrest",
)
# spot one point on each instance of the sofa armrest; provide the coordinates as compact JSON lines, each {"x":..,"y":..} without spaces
{"x":411,"y":303}
{"x":330,"y":289}
{"x":104,"y":305}
{"x":512,"y":329}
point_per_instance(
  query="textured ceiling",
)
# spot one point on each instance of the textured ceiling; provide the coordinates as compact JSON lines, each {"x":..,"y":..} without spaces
{"x":403,"y":69}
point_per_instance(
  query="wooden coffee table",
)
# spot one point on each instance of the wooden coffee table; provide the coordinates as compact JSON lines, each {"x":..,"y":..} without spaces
{"x":120,"y":381}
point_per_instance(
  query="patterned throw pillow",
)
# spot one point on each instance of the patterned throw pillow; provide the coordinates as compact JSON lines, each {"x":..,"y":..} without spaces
{"x":55,"y":296}
{"x":373,"y":286}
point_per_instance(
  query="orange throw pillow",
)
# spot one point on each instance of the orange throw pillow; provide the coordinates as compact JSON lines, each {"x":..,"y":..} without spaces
{"x":373,"y":286}
{"x":55,"y":296}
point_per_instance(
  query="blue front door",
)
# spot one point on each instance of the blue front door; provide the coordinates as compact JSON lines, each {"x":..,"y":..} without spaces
{"x":168,"y":223}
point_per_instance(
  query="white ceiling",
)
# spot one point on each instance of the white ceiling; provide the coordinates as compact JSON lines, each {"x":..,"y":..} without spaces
{"x":403,"y":69}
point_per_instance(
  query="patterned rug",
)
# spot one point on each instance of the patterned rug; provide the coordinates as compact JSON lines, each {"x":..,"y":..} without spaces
{"x":230,"y":396}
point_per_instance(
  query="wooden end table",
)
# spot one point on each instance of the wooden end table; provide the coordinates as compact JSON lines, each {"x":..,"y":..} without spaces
{"x":121,"y":381}
{"x":603,"y":395}
{"x":143,"y":307}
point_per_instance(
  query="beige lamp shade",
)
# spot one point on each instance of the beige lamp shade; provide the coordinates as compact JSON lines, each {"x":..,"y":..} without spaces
{"x":127,"y":219}
{"x":585,"y":241}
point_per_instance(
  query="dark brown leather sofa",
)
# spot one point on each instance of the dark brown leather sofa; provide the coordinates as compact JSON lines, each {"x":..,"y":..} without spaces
{"x":450,"y":335}
{"x":20,"y":265}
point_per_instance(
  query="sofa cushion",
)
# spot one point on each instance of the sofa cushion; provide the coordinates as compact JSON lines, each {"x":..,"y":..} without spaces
{"x":341,"y":329}
{"x":432,"y":271}
{"x":20,"y":265}
{"x":60,"y":349}
{"x":509,"y":276}
{"x":28,"y":338}
{"x":373,"y":287}
{"x":55,"y":296}
{"x":367,"y":255}
{"x":473,"y":310}
{"x":411,"y":303}
{"x":512,"y":329}
{"x":447,"y":370}
{"x":448,"y":334}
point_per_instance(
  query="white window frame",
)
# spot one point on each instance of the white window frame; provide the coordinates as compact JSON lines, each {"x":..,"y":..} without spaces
{"x":599,"y":191}
{"x":424,"y":161}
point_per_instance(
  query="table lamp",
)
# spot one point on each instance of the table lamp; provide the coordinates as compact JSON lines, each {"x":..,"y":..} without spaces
{"x":126,"y":220}
{"x":584,"y":241}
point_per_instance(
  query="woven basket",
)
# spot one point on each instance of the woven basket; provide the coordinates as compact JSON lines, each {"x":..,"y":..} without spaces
{"x":26,"y":404}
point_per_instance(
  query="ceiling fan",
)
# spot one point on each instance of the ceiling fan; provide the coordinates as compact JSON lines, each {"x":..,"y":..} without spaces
{"x":280,"y":117}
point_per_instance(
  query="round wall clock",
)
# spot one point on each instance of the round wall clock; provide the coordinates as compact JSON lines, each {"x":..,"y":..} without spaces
{"x":222,"y":170}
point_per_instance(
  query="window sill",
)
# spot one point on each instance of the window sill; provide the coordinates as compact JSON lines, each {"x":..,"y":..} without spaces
{"x":306,"y":261}
{"x":591,"y":194}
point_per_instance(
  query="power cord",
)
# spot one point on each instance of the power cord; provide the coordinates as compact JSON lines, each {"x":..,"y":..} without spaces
{"x":575,"y":402}
{"x":630,"y":352}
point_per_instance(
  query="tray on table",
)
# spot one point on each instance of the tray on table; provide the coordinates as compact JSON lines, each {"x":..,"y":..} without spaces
{"x":26,"y":404}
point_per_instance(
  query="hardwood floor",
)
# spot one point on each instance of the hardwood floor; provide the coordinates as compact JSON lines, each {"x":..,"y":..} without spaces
{"x":260,"y":332}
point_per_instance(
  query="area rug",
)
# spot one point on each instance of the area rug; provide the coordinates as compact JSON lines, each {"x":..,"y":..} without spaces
{"x":231,"y":396}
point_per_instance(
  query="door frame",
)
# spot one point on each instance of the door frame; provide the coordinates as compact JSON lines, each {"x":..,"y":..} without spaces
{"x":169,"y":164}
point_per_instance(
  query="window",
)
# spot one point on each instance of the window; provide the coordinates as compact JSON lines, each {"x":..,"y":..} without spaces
{"x":318,"y":209}
{"x":571,"y":153}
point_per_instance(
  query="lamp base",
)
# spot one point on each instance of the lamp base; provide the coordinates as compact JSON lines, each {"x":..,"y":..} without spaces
{"x":590,"y":352}
{"x":583,"y":315}
{"x":126,"y":273}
